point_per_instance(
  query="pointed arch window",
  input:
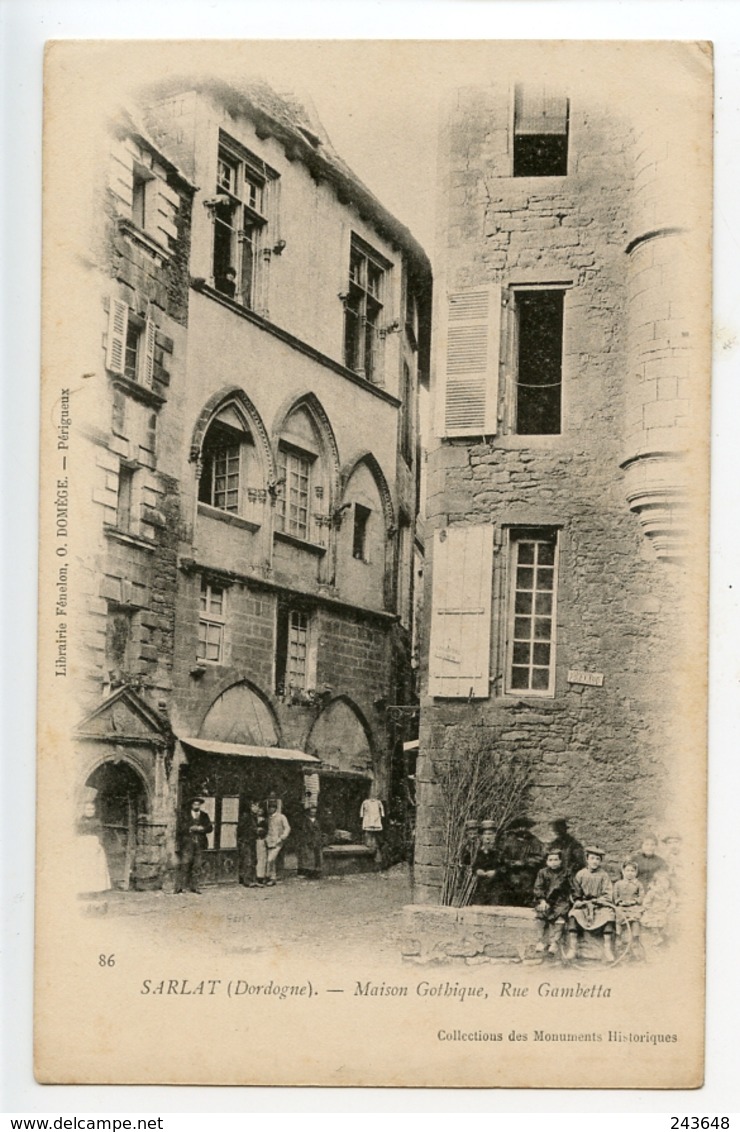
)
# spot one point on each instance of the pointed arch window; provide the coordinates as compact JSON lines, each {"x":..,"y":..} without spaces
{"x":227,"y":458}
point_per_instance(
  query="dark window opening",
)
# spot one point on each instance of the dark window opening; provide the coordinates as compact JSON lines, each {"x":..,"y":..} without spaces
{"x":124,"y":498}
{"x":131,"y":357}
{"x":138,"y":199}
{"x":539,"y":362}
{"x":407,"y":415}
{"x":118,"y":417}
{"x":117,"y":639}
{"x":359,"y":532}
{"x":540,"y":133}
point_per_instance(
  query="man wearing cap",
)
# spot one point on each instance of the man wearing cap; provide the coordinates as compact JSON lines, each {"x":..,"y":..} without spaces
{"x":193,"y":839}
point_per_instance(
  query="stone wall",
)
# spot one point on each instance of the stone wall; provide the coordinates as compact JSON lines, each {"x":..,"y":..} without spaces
{"x":473,"y":935}
{"x":598,"y":755}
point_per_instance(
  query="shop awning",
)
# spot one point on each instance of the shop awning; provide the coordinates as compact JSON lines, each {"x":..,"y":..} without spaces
{"x":246,"y":751}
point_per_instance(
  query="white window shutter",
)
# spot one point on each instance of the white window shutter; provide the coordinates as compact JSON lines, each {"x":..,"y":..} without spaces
{"x":459,"y":645}
{"x":121,"y":178}
{"x":148,"y":342}
{"x":161,"y":207}
{"x":467,"y":397}
{"x":117,"y":330}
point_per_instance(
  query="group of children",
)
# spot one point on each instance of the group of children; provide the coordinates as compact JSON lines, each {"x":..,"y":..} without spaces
{"x":574,"y":895}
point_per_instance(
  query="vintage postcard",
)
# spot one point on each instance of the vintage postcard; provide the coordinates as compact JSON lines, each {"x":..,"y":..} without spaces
{"x":373,"y":584}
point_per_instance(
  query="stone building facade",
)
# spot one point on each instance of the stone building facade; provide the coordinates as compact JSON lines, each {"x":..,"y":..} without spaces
{"x":251,"y":596}
{"x":569,"y":385}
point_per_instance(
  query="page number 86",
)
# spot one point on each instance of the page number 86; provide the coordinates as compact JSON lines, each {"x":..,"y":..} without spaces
{"x":110,"y":961}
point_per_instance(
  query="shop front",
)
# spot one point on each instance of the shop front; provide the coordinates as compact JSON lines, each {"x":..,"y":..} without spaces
{"x":341,"y":738}
{"x":228,"y":777}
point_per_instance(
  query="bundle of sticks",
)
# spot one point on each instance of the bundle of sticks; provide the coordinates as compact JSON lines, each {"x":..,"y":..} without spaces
{"x":476,"y":785}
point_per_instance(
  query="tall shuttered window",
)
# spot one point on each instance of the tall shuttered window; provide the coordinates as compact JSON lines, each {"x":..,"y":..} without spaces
{"x":131,"y":344}
{"x":467,"y":401}
{"x":459,"y":647}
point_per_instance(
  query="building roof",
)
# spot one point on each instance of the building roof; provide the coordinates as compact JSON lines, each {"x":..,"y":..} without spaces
{"x":295,"y":124}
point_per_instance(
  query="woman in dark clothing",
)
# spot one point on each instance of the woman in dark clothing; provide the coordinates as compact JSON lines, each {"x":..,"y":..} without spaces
{"x":571,"y":850}
{"x":486,"y":871}
{"x":521,"y":856}
{"x":311,"y":847}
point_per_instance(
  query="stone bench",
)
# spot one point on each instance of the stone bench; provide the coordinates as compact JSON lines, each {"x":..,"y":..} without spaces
{"x":475,"y":934}
{"x":339,"y":859}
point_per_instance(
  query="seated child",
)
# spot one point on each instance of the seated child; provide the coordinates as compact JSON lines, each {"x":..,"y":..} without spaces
{"x":593,"y":905}
{"x":552,"y":900}
{"x":657,"y":907}
{"x":628,"y":897}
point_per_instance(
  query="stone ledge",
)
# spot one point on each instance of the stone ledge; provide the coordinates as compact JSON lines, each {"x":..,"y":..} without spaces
{"x":468,"y":935}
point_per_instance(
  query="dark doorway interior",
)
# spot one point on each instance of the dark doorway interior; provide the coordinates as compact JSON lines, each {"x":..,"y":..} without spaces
{"x":121,"y":799}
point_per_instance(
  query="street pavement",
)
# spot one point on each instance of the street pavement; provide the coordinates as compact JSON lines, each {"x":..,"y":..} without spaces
{"x":357,"y":915}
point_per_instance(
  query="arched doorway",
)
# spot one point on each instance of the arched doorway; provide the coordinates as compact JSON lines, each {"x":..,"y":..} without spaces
{"x":120,"y":800}
{"x":340,"y":738}
{"x":233,"y":768}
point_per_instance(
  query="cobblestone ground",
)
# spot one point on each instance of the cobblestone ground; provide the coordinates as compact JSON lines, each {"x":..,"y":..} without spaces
{"x":359,"y":916}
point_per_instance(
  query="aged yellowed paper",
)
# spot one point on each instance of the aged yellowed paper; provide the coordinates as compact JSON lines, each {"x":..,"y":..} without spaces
{"x":372,"y":644}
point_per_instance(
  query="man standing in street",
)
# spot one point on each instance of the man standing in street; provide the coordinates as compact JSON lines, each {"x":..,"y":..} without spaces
{"x":193,"y":839}
{"x":278,"y":831}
